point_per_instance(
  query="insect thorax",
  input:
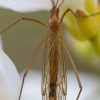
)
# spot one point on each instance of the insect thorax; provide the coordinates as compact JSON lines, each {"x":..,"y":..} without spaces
{"x":54,"y":24}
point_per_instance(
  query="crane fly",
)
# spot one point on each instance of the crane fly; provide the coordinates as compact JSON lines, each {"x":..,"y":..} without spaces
{"x":54,"y":83}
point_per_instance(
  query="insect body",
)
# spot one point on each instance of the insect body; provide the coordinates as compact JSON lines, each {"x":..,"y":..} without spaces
{"x":54,"y":84}
{"x":54,"y":72}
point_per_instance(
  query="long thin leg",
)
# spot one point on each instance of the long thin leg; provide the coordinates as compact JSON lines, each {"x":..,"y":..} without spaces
{"x":66,"y":13}
{"x":27,"y":19}
{"x":76,"y":15}
{"x":29,"y":65}
{"x":75,"y":70}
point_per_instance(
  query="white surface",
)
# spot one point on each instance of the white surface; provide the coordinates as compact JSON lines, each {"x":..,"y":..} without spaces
{"x":9,"y":78}
{"x":26,"y":5}
{"x":90,"y":83}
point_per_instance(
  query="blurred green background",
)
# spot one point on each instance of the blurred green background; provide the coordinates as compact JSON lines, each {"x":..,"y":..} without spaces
{"x":21,"y":41}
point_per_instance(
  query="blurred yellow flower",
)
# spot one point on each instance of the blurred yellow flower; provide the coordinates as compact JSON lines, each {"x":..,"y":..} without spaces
{"x":83,"y":29}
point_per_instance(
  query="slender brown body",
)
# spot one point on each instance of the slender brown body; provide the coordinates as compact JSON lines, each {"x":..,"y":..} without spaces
{"x":53,"y":68}
{"x":54,"y":63}
{"x":54,"y":56}
{"x":54,"y":85}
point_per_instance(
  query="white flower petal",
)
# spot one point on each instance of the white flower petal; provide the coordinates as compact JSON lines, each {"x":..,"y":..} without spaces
{"x":26,"y":5}
{"x":9,"y":79}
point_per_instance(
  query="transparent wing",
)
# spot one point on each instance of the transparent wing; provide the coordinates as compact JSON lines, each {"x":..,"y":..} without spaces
{"x":59,"y":87}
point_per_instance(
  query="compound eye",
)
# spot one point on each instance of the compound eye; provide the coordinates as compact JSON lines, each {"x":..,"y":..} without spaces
{"x":50,"y":10}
